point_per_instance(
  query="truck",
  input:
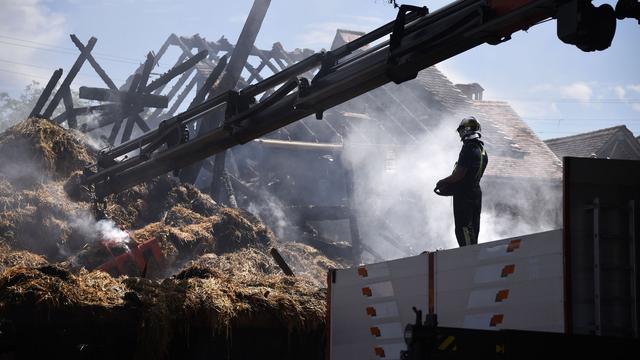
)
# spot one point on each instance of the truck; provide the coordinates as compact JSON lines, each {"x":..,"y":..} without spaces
{"x":573,"y":290}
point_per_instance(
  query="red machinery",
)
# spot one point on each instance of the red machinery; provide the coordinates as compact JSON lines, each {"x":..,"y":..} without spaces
{"x":132,"y":261}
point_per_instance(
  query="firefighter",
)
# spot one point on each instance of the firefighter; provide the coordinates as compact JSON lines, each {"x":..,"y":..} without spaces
{"x":464,"y":182}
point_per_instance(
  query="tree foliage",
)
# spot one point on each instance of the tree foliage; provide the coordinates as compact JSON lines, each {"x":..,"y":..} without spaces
{"x":14,"y":110}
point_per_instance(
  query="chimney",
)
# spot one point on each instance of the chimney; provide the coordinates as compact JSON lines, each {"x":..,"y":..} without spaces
{"x":473,"y":91}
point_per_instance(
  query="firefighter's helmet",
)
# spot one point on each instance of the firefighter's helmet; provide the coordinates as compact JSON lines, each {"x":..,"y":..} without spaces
{"x":468,"y":126}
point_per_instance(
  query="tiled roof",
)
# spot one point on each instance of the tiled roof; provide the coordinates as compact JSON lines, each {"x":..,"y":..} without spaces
{"x":537,"y":159}
{"x":599,"y":142}
{"x":344,"y":36}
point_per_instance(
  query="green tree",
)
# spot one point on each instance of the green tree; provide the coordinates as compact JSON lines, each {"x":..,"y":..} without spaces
{"x":14,"y":110}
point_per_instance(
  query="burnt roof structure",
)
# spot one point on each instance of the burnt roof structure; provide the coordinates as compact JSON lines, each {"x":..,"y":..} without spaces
{"x":616,"y":142}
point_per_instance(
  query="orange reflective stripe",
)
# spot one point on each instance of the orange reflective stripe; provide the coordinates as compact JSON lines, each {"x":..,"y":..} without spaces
{"x":502,"y":295}
{"x":513,"y":245}
{"x":379,"y":351}
{"x":375,"y":331}
{"x":496,"y":320}
{"x":508,"y":270}
{"x":371,"y":311}
{"x":362,"y":271}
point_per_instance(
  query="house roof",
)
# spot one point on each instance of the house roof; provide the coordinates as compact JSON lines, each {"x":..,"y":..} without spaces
{"x":537,"y":159}
{"x":344,"y":36}
{"x":615,"y":142}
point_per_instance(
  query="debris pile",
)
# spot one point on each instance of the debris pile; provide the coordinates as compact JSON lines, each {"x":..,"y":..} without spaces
{"x":37,"y":149}
{"x":216,"y":292}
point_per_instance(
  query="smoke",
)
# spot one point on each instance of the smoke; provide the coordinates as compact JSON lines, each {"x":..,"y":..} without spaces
{"x":270,"y":210}
{"x":396,"y":204}
{"x":96,"y":139}
{"x":92,"y":230}
{"x":393,"y":191}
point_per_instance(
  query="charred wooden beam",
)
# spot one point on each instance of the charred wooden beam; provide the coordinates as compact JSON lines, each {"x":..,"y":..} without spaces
{"x":266,"y":60}
{"x":243,"y":187}
{"x":278,"y":51}
{"x":228,"y":188}
{"x":103,"y":75}
{"x":328,"y":247}
{"x":124,"y":97}
{"x":176,"y":71}
{"x":174,"y":89}
{"x":46,"y":93}
{"x":160,"y":88}
{"x":132,"y":110}
{"x":255,"y":74}
{"x":183,"y":95}
{"x":144,"y":74}
{"x":238,"y":59}
{"x":69,"y":78}
{"x":67,"y":99}
{"x":120,"y":116}
{"x":207,"y":86}
{"x":281,"y":263}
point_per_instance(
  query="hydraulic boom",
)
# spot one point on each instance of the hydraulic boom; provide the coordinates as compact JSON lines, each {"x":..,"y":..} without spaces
{"x":418,"y":39}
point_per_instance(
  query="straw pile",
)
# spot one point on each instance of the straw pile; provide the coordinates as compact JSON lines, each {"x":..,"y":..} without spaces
{"x":308,"y":262}
{"x":10,"y":258}
{"x":227,"y":299}
{"x":218,"y":304}
{"x":36,"y":148}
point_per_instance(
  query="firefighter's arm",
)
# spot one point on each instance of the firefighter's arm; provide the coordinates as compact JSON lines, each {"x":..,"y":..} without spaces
{"x":457,"y":175}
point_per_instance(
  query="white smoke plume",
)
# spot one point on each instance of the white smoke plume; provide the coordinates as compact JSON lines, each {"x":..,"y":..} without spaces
{"x":396,"y":204}
{"x":101,"y":230}
{"x":271,"y":210}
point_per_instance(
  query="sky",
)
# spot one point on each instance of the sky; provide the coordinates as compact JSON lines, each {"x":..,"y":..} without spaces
{"x":557,"y":89}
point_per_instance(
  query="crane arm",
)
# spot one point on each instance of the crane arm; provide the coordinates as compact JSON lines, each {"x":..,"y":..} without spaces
{"x":417,"y":40}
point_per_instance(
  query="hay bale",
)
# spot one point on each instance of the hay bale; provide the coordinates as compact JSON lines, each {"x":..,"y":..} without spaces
{"x":169,"y":317}
{"x":40,"y":220}
{"x":9,"y":258}
{"x":185,"y":234}
{"x":54,"y":287}
{"x":181,"y":216}
{"x":74,"y":188}
{"x":243,"y":263}
{"x":307,"y":261}
{"x":152,"y":201}
{"x":36,"y":149}
{"x":238,"y":229}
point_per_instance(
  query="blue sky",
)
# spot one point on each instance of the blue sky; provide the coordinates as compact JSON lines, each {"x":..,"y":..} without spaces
{"x":556,"y":88}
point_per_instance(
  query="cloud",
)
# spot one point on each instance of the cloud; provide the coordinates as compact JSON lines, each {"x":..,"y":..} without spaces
{"x":636,"y":107}
{"x":635,"y":88}
{"x":320,"y":35}
{"x":29,"y":20}
{"x":578,"y":91}
{"x":620,"y":92}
